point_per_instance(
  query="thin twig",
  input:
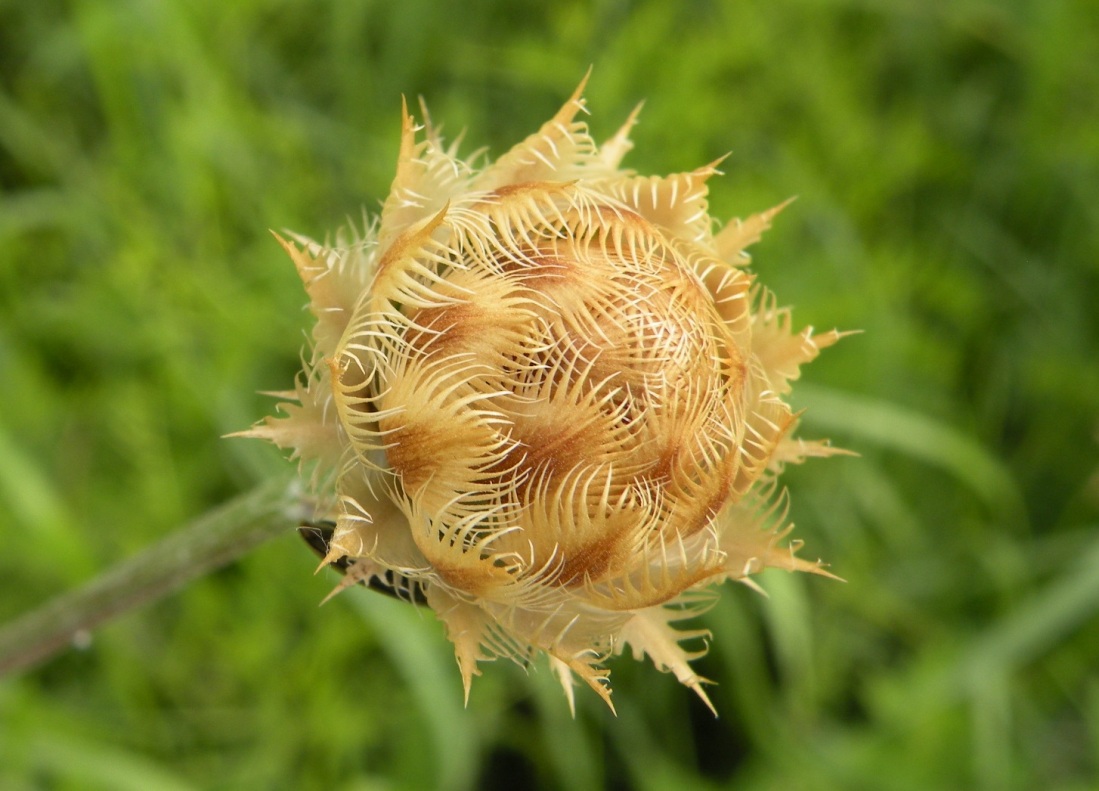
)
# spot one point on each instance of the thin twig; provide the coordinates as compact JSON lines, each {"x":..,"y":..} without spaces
{"x":210,"y":542}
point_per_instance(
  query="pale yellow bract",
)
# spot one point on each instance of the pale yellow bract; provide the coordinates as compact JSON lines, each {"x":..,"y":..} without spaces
{"x":550,"y":396}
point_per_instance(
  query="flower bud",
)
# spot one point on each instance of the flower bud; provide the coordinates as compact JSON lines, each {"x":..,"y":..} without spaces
{"x":547,"y":396}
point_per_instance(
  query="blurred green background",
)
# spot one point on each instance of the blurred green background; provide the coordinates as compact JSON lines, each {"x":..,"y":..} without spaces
{"x":946,"y":159}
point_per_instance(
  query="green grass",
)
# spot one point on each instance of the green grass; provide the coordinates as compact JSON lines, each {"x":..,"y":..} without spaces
{"x":946,"y":159}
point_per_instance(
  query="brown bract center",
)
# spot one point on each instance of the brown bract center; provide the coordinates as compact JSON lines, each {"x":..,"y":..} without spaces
{"x":550,"y":381}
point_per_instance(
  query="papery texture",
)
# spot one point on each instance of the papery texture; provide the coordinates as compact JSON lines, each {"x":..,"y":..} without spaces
{"x":549,"y":395}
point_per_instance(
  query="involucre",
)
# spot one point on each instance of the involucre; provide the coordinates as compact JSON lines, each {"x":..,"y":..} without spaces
{"x":549,"y":396}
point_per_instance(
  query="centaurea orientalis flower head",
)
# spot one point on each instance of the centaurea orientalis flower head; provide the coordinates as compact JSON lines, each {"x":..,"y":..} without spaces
{"x":547,"y":395}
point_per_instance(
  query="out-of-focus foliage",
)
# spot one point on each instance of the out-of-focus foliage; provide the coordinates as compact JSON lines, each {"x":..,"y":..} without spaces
{"x":946,"y":159}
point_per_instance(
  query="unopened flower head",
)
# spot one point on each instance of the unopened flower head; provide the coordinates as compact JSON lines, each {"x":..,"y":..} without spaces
{"x":548,"y":396}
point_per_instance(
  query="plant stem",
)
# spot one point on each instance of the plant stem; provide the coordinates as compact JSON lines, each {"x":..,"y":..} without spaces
{"x":206,"y":544}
